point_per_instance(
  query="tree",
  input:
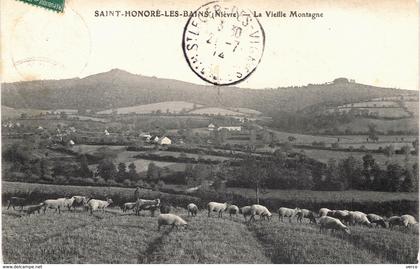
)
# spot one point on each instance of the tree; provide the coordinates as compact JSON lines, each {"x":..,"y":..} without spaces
{"x":153,"y":172}
{"x":122,"y":172}
{"x":254,"y":173}
{"x":84,"y":168}
{"x":395,"y":173}
{"x":389,"y":151}
{"x":406,"y":150}
{"x":106,"y":169}
{"x":350,"y":170}
{"x":132,"y":173}
{"x":372,"y":133}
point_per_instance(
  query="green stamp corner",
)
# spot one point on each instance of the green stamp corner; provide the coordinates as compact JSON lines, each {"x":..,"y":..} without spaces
{"x":56,"y":5}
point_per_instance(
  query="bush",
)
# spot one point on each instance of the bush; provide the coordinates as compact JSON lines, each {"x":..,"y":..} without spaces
{"x":127,"y":183}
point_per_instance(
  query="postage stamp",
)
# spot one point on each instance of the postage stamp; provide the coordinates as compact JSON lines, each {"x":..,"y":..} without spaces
{"x":223,"y":43}
{"x":56,"y":5}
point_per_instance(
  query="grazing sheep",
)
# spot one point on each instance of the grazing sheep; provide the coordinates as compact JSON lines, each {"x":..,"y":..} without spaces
{"x":128,"y":206}
{"x":376,"y":219}
{"x":142,"y":204}
{"x":217,"y":207}
{"x":261,"y":211}
{"x":357,"y":217}
{"x":395,"y":221}
{"x":192,"y":209}
{"x":31,"y":209}
{"x":342,"y":215}
{"x":333,"y":224}
{"x":170,"y":219}
{"x":67,"y":202}
{"x":307,"y":214}
{"x":98,"y":205}
{"x":56,"y":204}
{"x":287,"y":212}
{"x":408,"y":220}
{"x":79,"y":201}
{"x":246,"y":211}
{"x":232,"y":210}
{"x":16,"y":201}
{"x":323,"y":212}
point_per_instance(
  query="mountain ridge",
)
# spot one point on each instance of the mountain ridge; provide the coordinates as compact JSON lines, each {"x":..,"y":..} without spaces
{"x":119,"y":88}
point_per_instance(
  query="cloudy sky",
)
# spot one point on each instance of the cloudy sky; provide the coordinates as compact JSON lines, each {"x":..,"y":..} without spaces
{"x":373,"y":42}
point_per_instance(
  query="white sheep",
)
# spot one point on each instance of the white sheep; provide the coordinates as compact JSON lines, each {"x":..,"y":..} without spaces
{"x":245,"y":211}
{"x":217,"y":207}
{"x":192,"y":209}
{"x":323,"y":212}
{"x":170,"y":219}
{"x":56,"y":204}
{"x":232,"y":210}
{"x":342,"y":215}
{"x":67,"y":202}
{"x":333,"y":224}
{"x":147,"y":204}
{"x":305,"y":213}
{"x":357,"y":217}
{"x":376,"y":219}
{"x":261,"y":211}
{"x":98,"y":205}
{"x":287,"y":212}
{"x":128,"y":206}
{"x":408,"y":220}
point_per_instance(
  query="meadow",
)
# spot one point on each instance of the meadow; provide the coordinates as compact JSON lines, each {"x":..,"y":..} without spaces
{"x":173,"y":107}
{"x":116,"y":237}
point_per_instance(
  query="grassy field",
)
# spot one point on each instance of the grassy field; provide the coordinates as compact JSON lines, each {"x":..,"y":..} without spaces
{"x":116,"y":237}
{"x":216,"y":111}
{"x":327,"y":196}
{"x":173,"y":107}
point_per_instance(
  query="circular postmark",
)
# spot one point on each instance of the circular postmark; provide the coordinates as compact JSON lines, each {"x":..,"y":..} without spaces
{"x":222,"y":43}
{"x":47,"y":45}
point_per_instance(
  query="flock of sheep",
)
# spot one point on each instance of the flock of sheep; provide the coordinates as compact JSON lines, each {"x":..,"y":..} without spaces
{"x":334,"y":220}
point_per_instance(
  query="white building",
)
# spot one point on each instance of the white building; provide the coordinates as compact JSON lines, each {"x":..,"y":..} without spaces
{"x":164,"y":141}
{"x":230,"y":128}
{"x":211,"y":127}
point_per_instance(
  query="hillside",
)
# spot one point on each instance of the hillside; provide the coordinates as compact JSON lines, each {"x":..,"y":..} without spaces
{"x":117,"y":88}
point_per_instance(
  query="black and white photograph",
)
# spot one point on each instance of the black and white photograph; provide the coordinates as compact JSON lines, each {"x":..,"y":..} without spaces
{"x":209,"y":132}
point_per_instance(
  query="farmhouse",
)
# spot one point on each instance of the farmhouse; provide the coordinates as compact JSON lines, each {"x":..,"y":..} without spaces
{"x":211,"y":127}
{"x":230,"y":128}
{"x":164,"y":141}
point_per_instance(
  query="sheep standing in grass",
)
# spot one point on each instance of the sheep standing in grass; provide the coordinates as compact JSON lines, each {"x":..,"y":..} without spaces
{"x":128,"y":206}
{"x":217,"y":207}
{"x":192,"y":209}
{"x":357,"y":217}
{"x":56,"y":204}
{"x":245,"y":211}
{"x":98,"y":205}
{"x":323,"y":212}
{"x":170,"y":219}
{"x":333,"y":224}
{"x":287,"y":212}
{"x":395,"y":221}
{"x":408,"y":220}
{"x":142,"y":204}
{"x":342,"y":215}
{"x":232,"y":210}
{"x":16,"y":201}
{"x":307,"y":214}
{"x":376,"y":219}
{"x":67,"y":202}
{"x":261,"y":211}
{"x":34,"y":208}
{"x":79,"y":201}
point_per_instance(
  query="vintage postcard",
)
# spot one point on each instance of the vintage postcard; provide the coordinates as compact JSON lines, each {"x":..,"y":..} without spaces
{"x":209,"y":132}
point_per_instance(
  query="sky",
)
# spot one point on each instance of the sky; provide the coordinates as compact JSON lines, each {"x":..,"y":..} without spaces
{"x":372,"y":42}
